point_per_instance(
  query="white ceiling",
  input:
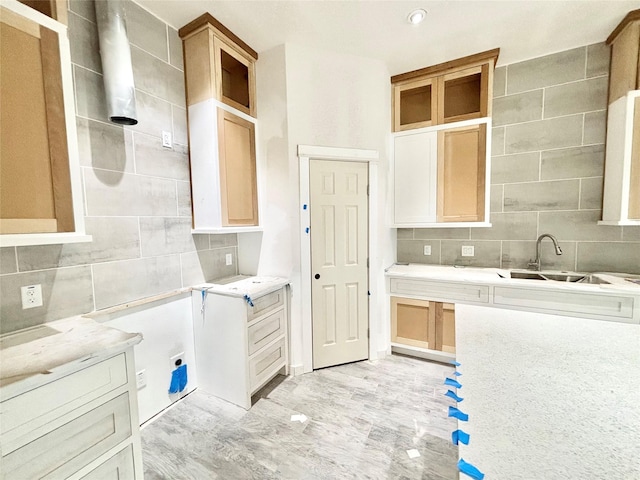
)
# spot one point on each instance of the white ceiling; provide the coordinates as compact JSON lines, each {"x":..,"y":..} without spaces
{"x":379,"y":29}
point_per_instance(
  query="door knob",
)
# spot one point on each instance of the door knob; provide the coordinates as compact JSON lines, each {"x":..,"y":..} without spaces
{"x":317,"y":276}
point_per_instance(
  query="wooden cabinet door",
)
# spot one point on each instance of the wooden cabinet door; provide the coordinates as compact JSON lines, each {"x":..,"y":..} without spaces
{"x":237,"y":154}
{"x":461,"y":174}
{"x":413,"y":322}
{"x":446,"y":328}
{"x":414,"y":104}
{"x":414,"y":176}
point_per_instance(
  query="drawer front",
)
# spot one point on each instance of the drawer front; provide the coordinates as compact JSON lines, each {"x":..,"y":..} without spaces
{"x":265,"y":331}
{"x":440,"y":291}
{"x":67,"y":449}
{"x":265,"y":304}
{"x":118,"y":467}
{"x":267,"y":363}
{"x":565,"y":302}
{"x":24,"y":413}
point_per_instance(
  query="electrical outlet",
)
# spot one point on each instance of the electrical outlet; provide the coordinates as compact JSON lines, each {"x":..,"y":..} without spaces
{"x":229,"y":259}
{"x":31,"y":296}
{"x":467,"y":251}
{"x":427,"y":250}
{"x":166,"y":139}
{"x":141,"y":379}
{"x":176,"y":360}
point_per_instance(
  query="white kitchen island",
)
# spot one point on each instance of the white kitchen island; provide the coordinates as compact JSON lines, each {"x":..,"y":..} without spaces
{"x":548,"y":396}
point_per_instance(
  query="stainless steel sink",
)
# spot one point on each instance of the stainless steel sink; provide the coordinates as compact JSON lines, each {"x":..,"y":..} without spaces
{"x":571,"y":277}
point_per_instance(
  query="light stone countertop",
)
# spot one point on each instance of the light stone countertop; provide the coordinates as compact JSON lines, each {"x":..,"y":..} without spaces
{"x":55,"y":349}
{"x":240,"y":286}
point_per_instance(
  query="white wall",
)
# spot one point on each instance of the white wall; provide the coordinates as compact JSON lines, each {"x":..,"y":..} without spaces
{"x":167,"y":329}
{"x":315,"y":97}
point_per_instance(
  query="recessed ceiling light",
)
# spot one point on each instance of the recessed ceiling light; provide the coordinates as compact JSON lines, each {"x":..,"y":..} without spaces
{"x":417,"y":16}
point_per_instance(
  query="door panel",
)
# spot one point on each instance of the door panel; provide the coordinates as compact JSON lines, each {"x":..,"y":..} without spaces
{"x":339,"y":225}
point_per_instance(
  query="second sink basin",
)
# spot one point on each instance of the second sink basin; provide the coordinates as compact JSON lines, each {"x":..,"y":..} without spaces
{"x":572,"y":277}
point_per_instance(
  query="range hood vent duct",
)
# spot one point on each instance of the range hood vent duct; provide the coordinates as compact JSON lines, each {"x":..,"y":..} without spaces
{"x":116,"y":62}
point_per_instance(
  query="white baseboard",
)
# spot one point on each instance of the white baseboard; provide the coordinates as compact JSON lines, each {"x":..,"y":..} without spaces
{"x":296,"y":370}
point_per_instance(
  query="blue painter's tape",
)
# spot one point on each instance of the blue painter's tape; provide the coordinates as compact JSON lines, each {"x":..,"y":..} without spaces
{"x":306,"y":230}
{"x":457,"y":374}
{"x":248,"y":299}
{"x":178,"y":379}
{"x":304,"y":207}
{"x":457,"y":364}
{"x":470,"y":470}
{"x":452,"y":383}
{"x":450,"y":394}
{"x":455,"y":413}
{"x":460,"y":436}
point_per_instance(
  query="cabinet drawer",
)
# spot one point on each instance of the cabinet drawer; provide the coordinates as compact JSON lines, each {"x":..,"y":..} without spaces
{"x":567,"y":303}
{"x":265,"y":331}
{"x":28,"y":411}
{"x":266,"y":363}
{"x":441,"y":291}
{"x":65,"y":450}
{"x":118,"y":467}
{"x":265,"y":304}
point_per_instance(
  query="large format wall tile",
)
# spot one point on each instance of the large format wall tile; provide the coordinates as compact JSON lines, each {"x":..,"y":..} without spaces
{"x":175,"y":49}
{"x":90,"y":96}
{"x":591,"y":190}
{"x":508,"y":226}
{"x":598,"y":56}
{"x":208,"y":265}
{"x":122,"y":194}
{"x":521,"y":167}
{"x":8,"y":260}
{"x":631,"y":234}
{"x":154,"y":159}
{"x":497,"y":194}
{"x":146,"y":31}
{"x":405,"y":233}
{"x":412,"y":251}
{"x":180,"y":133}
{"x":184,"y":199}
{"x":554,"y":69}
{"x":576,"y":97}
{"x":499,"y":81}
{"x":609,"y":257}
{"x":578,"y":225}
{"x":497,"y":141}
{"x":522,"y":107}
{"x":114,"y":238}
{"x":544,"y":134}
{"x":120,"y":282}
{"x":487,"y":253}
{"x":157,"y":77}
{"x":518,"y":254}
{"x":163,"y":236}
{"x":84,"y":8}
{"x":154,"y":115}
{"x":595,"y":127}
{"x":83,"y":43}
{"x":537,"y":196}
{"x":573,"y":163}
{"x":223,"y":240}
{"x":443,"y":233}
{"x":105,"y":146}
{"x":65,"y":292}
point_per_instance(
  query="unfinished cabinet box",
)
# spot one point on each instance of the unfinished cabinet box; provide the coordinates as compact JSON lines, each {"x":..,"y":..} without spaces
{"x":424,"y":325}
{"x":39,"y":172}
{"x":444,"y":181}
{"x":621,"y":197}
{"x":220,"y":90}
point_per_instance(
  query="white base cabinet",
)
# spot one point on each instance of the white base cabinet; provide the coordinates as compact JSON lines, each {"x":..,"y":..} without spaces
{"x":241,"y":344}
{"x":82,"y":425}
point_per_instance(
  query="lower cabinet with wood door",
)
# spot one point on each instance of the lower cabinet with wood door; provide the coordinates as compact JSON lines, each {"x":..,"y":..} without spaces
{"x":423,"y":327}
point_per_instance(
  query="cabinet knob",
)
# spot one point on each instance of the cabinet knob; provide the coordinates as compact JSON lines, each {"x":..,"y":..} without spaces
{"x":316,"y":276}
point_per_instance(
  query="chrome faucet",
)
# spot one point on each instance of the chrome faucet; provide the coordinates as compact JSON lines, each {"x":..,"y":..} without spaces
{"x":536,"y":264}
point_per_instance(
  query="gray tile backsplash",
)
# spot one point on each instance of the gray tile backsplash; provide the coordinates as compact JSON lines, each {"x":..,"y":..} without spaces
{"x":137,"y":193}
{"x":549,"y":117}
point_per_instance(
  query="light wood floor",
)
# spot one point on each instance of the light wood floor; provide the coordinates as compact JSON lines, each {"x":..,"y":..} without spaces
{"x":362,"y":419}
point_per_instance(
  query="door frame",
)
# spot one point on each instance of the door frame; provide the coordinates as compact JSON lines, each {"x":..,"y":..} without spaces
{"x":306,"y":153}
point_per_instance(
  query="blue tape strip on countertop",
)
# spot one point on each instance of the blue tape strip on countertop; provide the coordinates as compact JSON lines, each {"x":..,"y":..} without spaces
{"x":457,"y":374}
{"x":455,"y":413}
{"x":470,"y":470}
{"x":450,"y":394}
{"x":452,"y":383}
{"x":178,"y":379}
{"x":457,"y":364}
{"x":248,"y":299}
{"x":460,"y":436}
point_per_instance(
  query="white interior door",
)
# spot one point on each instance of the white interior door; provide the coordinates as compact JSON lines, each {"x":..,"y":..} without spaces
{"x":339,"y":283}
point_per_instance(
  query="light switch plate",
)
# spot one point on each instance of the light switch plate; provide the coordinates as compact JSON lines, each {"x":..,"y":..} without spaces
{"x":229,"y":259}
{"x":166,"y":139}
{"x":427,"y":250}
{"x":31,"y":296}
{"x":467,"y":251}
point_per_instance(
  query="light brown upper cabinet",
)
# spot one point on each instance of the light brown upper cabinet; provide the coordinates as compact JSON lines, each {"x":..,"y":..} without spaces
{"x":442,"y":116}
{"x":621,"y":197}
{"x":40,"y":197}
{"x":444,"y":93}
{"x":221,"y":109}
